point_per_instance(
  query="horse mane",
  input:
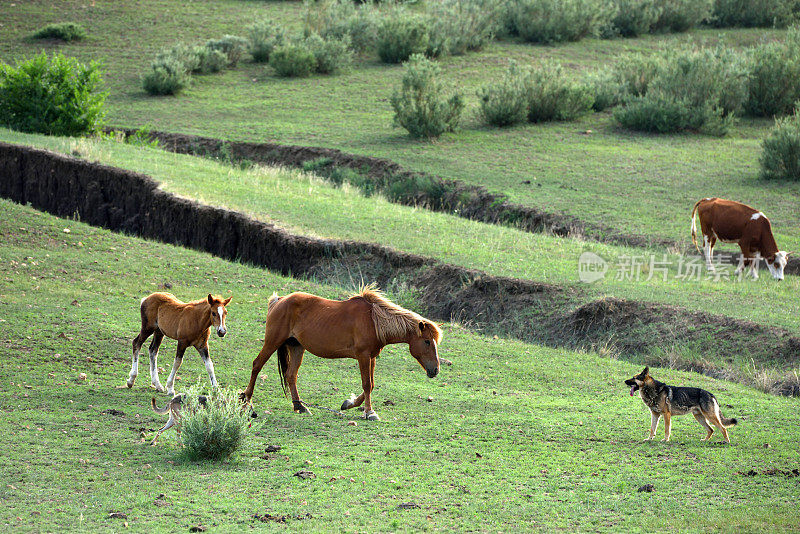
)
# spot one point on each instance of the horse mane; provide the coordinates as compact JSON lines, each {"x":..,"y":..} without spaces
{"x":391,"y":320}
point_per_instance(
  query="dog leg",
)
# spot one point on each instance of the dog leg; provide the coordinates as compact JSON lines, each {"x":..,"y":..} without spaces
{"x":667,"y":426}
{"x":702,"y":420}
{"x":654,"y":417}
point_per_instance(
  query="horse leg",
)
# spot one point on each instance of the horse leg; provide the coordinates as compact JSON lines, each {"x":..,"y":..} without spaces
{"x":295,"y":359}
{"x":270,"y":346}
{"x":138,"y":341}
{"x":182,"y":346}
{"x":208,"y":363}
{"x":158,"y":336}
{"x":367,"y":368}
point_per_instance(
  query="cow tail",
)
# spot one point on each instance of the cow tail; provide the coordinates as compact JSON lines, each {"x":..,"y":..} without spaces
{"x":694,"y":227}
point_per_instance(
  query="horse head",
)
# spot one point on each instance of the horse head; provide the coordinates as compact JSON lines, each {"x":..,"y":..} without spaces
{"x":218,"y":313}
{"x":424,"y":347}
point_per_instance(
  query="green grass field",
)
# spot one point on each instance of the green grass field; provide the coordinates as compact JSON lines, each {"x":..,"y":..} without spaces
{"x":514,"y":437}
{"x":640,"y":184}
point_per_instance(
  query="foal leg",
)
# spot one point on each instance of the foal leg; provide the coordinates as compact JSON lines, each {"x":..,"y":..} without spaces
{"x":208,"y":363}
{"x":138,"y":341}
{"x":158,"y":336}
{"x":295,"y":359}
{"x":182,"y":346}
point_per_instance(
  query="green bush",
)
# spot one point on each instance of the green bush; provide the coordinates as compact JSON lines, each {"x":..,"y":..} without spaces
{"x":216,"y":431}
{"x":553,"y":96}
{"x":167,"y":76}
{"x":331,"y":55}
{"x":421,"y":105}
{"x":210,"y":60}
{"x":263,"y":37}
{"x":780,"y":159}
{"x":506,"y":102}
{"x":401,"y":36}
{"x":232,"y":46}
{"x":66,"y":31}
{"x":756,"y":13}
{"x":634,"y":17}
{"x":774,"y":77}
{"x":680,"y":15}
{"x":694,"y":90}
{"x":458,"y":26}
{"x":336,"y":19}
{"x":293,"y":59}
{"x":55,"y":96}
{"x":634,"y":73}
{"x":605,"y":88}
{"x":185,"y":55}
{"x":553,"y":21}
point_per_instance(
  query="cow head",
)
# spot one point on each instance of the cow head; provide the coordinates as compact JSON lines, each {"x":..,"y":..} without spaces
{"x":777,"y":263}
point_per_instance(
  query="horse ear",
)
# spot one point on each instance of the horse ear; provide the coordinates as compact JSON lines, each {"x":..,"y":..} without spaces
{"x":210,"y":299}
{"x":227,"y":300}
{"x":422,"y":326}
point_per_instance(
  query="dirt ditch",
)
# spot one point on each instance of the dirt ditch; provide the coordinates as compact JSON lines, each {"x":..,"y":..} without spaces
{"x":449,"y":196}
{"x":130,"y":202}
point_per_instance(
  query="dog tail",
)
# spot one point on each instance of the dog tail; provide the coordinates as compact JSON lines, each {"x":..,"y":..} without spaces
{"x":157,"y":409}
{"x":694,"y":226}
{"x":727,"y":423}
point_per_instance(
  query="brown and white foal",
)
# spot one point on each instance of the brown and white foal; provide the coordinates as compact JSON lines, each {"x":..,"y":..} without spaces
{"x":188,"y":322}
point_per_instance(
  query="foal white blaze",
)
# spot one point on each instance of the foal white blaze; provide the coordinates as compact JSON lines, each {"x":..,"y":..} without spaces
{"x":221,"y":330}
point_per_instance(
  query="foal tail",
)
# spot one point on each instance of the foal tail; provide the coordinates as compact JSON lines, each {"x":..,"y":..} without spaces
{"x":157,"y":409}
{"x":272,"y":300}
{"x":283,"y":364}
{"x":694,"y":226}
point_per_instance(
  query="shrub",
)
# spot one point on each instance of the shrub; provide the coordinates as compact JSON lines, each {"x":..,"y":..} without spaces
{"x":210,"y":60}
{"x":506,"y":103}
{"x":552,"y":95}
{"x":457,"y":26}
{"x":695,"y":90}
{"x":552,"y":21}
{"x":635,"y":17}
{"x":331,"y":55}
{"x":680,"y":15}
{"x":167,"y":76}
{"x":401,"y":36}
{"x":216,"y":431}
{"x":56,"y":96}
{"x":339,"y":18}
{"x":605,"y":88}
{"x":232,"y":46}
{"x":66,"y":31}
{"x":293,"y":59}
{"x":780,"y":159}
{"x":263,"y":37}
{"x":774,"y":77}
{"x":635,"y":72}
{"x":185,"y":55}
{"x":421,"y":105}
{"x":756,"y":13}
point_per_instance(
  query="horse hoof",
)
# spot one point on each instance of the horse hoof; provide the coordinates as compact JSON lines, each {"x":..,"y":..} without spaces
{"x":129,"y":384}
{"x":349,"y":403}
{"x":372,"y":416}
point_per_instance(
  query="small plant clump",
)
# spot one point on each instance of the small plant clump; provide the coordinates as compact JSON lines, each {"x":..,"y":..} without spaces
{"x":402,"y":36}
{"x":506,"y":103}
{"x":421,"y":105}
{"x":293,"y":59}
{"x":263,"y":37}
{"x":65,"y":31}
{"x":214,"y":431}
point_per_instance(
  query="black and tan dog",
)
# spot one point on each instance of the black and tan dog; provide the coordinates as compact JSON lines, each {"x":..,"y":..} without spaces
{"x":666,"y":400}
{"x":173,"y":407}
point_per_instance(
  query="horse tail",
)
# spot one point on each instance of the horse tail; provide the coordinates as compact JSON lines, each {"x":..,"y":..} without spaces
{"x":694,"y":226}
{"x":283,"y":364}
{"x":272,"y":300}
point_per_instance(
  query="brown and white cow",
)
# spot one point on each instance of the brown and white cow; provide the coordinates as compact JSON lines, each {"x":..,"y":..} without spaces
{"x":734,"y":222}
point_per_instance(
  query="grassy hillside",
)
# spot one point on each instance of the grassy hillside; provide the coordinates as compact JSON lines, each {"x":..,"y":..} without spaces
{"x":641,"y":184}
{"x":509,"y":436}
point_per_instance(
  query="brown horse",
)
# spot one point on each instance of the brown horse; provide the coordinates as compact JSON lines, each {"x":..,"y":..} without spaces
{"x":355,"y":328}
{"x":188,"y":322}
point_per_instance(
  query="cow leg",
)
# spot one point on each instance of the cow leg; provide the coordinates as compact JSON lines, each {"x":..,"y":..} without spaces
{"x":708,"y":251}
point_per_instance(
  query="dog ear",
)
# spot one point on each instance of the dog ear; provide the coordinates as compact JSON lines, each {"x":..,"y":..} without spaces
{"x":646,"y":371}
{"x":210,"y":300}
